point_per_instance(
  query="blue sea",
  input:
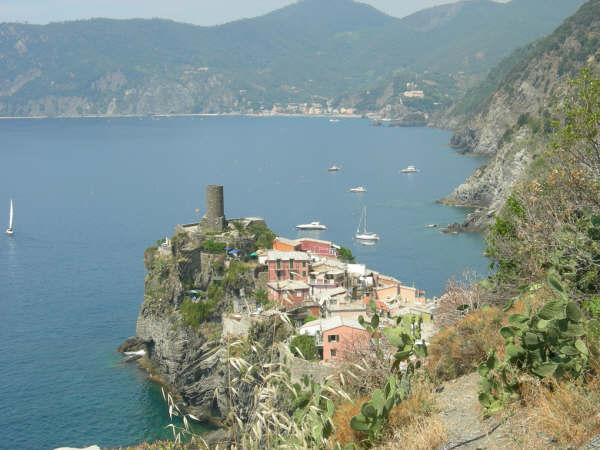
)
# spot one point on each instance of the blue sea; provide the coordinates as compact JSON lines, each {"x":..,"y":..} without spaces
{"x":91,"y":194}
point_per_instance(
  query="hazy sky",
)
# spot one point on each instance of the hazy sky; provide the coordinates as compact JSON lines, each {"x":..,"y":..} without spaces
{"x":200,"y":12}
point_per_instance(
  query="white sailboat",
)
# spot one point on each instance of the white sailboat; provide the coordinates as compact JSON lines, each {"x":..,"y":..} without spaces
{"x":9,"y":230}
{"x":364,"y":235}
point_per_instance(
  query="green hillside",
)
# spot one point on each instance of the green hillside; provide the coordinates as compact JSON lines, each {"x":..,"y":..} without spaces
{"x":310,"y":50}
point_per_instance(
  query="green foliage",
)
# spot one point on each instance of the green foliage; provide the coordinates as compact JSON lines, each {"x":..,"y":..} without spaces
{"x":406,"y":337}
{"x":304,"y":346}
{"x":550,"y":342}
{"x":261,"y":296}
{"x":193,"y":314}
{"x":314,"y":410}
{"x":309,"y":319}
{"x":75,"y":57}
{"x":375,"y":413}
{"x":211,"y":246}
{"x":234,"y":277}
{"x":263,"y":235}
{"x":515,"y":207}
{"x":344,"y":254}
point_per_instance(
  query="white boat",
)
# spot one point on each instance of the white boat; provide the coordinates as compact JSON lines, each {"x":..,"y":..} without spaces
{"x":358,"y":189}
{"x":311,"y":226}
{"x":333,"y":168}
{"x":10,"y":230}
{"x":410,"y":169}
{"x":334,"y":120}
{"x":364,"y":235}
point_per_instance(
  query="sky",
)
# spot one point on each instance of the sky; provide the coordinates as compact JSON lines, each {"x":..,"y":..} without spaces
{"x":199,"y":12}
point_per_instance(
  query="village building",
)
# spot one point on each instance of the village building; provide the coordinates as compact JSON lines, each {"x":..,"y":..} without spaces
{"x":336,"y":338}
{"x":324,"y":277}
{"x":288,"y":292}
{"x":345,"y":307}
{"x":315,"y":247}
{"x":287,"y":265}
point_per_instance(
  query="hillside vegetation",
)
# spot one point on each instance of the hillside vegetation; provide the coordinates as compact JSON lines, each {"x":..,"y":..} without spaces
{"x":513,"y":123}
{"x":311,"y":51}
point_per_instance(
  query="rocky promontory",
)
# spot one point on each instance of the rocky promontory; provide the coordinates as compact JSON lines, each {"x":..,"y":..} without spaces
{"x":190,"y":284}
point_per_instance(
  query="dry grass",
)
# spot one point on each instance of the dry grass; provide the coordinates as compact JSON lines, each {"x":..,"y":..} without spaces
{"x":566,"y":413}
{"x":344,"y":412}
{"x":413,"y":424}
{"x":424,"y":433}
{"x":458,"y":349}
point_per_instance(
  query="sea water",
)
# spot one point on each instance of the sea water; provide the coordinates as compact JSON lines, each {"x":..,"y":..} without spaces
{"x":91,"y":194}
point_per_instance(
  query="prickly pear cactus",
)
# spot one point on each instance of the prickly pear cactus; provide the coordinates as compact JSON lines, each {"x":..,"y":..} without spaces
{"x":551,"y":342}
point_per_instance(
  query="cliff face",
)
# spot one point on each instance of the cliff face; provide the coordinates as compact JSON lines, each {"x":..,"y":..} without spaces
{"x":500,"y":125}
{"x":488,"y":187}
{"x":189,"y":356}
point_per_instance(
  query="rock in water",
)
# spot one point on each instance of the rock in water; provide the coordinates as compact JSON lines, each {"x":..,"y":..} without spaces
{"x":132,"y":344}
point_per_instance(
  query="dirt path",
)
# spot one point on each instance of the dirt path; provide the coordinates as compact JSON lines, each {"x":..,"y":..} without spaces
{"x":460,"y":412}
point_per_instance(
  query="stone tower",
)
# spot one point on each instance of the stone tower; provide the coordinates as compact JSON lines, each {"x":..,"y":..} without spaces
{"x":214,"y":219}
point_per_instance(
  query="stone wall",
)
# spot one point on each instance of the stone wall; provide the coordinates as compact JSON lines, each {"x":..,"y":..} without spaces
{"x":315,"y":370}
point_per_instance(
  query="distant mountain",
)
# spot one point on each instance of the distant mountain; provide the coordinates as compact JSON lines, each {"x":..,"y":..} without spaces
{"x":512,"y":123}
{"x":311,"y":52}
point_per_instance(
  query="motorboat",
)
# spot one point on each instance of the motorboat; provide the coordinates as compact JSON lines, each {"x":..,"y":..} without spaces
{"x":311,"y":226}
{"x":334,"y":120}
{"x":361,"y":231}
{"x":333,"y":168}
{"x":358,"y":189}
{"x":10,"y":230}
{"x":410,"y":169}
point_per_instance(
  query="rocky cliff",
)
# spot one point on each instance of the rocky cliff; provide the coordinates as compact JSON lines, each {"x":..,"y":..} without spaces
{"x":189,"y":286}
{"x":504,"y":125}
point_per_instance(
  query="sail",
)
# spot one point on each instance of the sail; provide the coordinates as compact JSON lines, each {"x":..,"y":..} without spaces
{"x":10,"y":217}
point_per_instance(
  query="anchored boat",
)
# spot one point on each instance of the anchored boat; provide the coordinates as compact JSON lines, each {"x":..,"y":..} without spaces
{"x":10,"y":230}
{"x":410,"y":169}
{"x":358,"y":189}
{"x":364,"y":235}
{"x":311,"y":226}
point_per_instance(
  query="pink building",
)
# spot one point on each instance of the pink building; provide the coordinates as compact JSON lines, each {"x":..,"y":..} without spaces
{"x":314,"y":246}
{"x":337,"y":337}
{"x":288,"y":265}
{"x":318,"y":247}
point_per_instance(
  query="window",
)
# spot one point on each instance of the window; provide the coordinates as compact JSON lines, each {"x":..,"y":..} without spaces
{"x":333,"y":338}
{"x":278,"y":264}
{"x":291,"y":275}
{"x":304,"y":273}
{"x":291,"y":264}
{"x":333,"y":352}
{"x":303,"y":263}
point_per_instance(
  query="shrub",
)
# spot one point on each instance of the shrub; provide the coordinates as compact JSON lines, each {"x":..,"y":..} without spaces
{"x":344,"y":254}
{"x":306,"y":345}
{"x":211,"y":246}
{"x":309,"y":319}
{"x":261,"y":296}
{"x":193,"y":314}
{"x":457,"y":350}
{"x":263,"y":235}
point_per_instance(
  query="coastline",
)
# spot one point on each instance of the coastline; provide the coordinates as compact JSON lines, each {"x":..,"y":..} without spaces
{"x":231,"y":114}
